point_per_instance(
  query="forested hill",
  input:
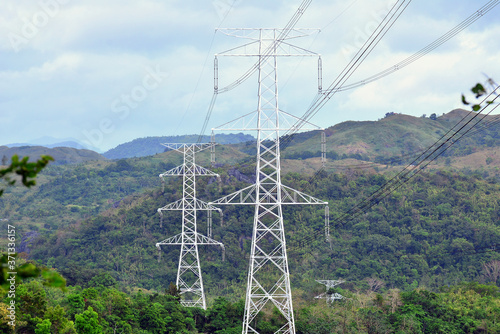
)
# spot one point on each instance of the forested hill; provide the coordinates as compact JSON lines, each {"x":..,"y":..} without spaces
{"x":102,"y":216}
{"x":142,"y":147}
{"x":398,"y":139}
{"x":96,"y":223}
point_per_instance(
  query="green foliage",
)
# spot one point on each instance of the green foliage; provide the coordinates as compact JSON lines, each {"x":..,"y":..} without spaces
{"x":44,"y":327}
{"x":26,"y":170}
{"x":58,"y":320}
{"x":479,"y":92}
{"x":76,"y":304}
{"x":417,"y":236}
{"x":98,"y":226}
{"x":173,"y":291}
{"x":24,"y":271}
{"x":224,"y":317}
{"x":465,"y":308}
{"x":103,"y":280}
{"x":88,"y":322}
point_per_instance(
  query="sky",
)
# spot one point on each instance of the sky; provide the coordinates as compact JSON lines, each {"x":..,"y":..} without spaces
{"x":107,"y":72}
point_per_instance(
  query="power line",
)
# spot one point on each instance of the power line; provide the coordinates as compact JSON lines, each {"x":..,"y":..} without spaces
{"x":412,"y":169}
{"x":265,"y":55}
{"x":388,"y":21}
{"x":323,"y":97}
{"x":424,"y":51}
{"x":204,"y":64}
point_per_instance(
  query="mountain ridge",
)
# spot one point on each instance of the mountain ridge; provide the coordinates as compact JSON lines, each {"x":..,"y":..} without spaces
{"x":145,"y":146}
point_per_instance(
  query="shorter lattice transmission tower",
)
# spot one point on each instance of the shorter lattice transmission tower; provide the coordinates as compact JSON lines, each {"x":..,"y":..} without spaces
{"x":329,"y":295}
{"x":189,"y":279}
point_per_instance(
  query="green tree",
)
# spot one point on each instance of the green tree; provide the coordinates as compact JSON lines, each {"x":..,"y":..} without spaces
{"x":44,"y":327}
{"x":76,"y":304}
{"x":173,"y":291}
{"x":223,"y":315}
{"x":57,"y":317}
{"x":88,"y":322}
{"x":103,"y":280}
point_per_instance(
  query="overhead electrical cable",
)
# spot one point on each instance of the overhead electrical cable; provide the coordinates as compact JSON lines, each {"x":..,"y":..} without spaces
{"x":484,"y":125}
{"x":321,"y":99}
{"x":424,"y":51}
{"x":204,"y":65}
{"x":384,"y":26}
{"x":472,"y":18}
{"x":416,"y":166}
{"x":266,"y":54}
{"x":311,"y":44}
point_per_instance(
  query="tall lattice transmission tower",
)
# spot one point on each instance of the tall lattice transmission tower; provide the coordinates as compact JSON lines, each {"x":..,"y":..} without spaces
{"x":268,"y":276}
{"x":189,"y":280}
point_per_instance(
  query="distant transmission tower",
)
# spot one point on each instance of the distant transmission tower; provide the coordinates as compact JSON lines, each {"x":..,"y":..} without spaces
{"x":330,"y":284}
{"x":189,"y":279}
{"x":268,"y":276}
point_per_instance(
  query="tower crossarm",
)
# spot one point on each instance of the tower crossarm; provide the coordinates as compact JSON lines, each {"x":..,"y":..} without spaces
{"x":292,"y":196}
{"x":202,"y":171}
{"x":194,"y":148}
{"x":177,"y":171}
{"x":331,"y":297}
{"x":330,"y":283}
{"x":253,"y":33}
{"x":245,"y":196}
{"x":289,"y":196}
{"x":199,"y":205}
{"x":172,"y":241}
{"x":192,"y":170}
{"x":199,"y":240}
{"x":321,"y":296}
{"x":287,"y":122}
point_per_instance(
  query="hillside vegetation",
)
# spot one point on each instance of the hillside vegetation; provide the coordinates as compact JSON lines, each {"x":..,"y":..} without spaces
{"x":96,"y":222}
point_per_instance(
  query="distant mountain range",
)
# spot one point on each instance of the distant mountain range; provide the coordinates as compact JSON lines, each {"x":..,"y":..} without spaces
{"x":61,"y":155}
{"x":142,"y":147}
{"x":394,"y":139}
{"x":51,"y":142}
{"x":71,"y":151}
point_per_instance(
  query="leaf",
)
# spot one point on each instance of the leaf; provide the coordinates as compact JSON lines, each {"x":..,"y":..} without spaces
{"x":464,"y":101}
{"x":476,"y":107}
{"x":53,"y":279}
{"x":28,"y":270}
{"x":479,"y":90}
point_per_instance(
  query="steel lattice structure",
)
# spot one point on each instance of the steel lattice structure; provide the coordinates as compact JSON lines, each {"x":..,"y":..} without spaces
{"x":268,"y":277}
{"x":189,"y":279}
{"x":330,"y":297}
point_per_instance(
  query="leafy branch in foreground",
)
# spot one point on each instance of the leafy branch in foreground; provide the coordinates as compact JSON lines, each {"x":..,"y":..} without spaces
{"x":25,"y":271}
{"x":26,"y":170}
{"x":480,"y":92}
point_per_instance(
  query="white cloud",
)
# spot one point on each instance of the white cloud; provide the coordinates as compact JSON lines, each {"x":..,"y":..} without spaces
{"x":64,"y":79}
